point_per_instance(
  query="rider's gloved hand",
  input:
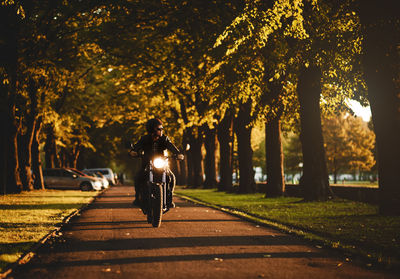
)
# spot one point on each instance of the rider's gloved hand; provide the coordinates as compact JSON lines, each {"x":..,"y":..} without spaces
{"x":180,"y":157}
{"x":133,"y":153}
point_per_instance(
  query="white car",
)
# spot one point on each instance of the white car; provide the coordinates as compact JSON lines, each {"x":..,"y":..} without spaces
{"x":103,"y":179}
{"x":107,"y":172}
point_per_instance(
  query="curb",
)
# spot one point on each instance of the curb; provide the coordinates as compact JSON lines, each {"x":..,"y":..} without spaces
{"x":28,"y":255}
{"x":315,"y":239}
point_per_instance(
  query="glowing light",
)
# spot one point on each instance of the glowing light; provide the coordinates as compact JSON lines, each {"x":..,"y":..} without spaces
{"x":160,"y":163}
{"x":359,"y":110}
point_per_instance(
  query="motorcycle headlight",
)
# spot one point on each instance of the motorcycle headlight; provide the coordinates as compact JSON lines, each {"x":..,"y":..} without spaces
{"x":160,"y":163}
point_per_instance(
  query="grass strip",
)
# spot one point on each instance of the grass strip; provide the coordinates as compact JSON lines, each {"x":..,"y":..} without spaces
{"x":28,"y":217}
{"x":353,"y":227}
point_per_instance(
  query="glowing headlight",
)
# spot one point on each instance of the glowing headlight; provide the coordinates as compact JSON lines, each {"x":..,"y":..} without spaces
{"x":160,"y":163}
{"x":97,"y":183}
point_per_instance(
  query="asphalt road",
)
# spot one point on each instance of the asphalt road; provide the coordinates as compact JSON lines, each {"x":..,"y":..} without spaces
{"x":111,"y":239}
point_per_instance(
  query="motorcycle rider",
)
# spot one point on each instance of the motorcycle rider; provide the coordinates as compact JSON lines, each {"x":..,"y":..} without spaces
{"x":152,"y":144}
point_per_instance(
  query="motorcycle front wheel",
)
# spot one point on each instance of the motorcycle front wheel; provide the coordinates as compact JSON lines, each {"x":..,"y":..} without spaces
{"x":157,"y":205}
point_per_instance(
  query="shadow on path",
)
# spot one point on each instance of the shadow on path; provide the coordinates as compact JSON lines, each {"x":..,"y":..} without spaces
{"x":175,"y":258}
{"x":178,"y":242}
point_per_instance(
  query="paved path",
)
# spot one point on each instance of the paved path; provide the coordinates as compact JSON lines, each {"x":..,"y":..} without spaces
{"x":111,"y":239}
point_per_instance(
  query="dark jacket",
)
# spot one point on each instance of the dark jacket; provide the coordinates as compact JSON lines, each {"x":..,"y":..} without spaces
{"x":150,"y":148}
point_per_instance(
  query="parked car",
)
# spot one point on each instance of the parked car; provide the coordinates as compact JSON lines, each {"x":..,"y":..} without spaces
{"x":107,"y":172}
{"x":98,"y":175}
{"x":62,"y":178}
{"x":104,"y":181}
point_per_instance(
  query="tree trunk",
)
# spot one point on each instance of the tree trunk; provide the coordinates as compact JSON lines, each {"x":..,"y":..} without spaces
{"x":315,"y":182}
{"x":183,"y":165}
{"x":9,"y":21}
{"x":243,"y":133}
{"x":381,"y":68}
{"x":73,"y":154}
{"x":64,"y":158}
{"x":36,"y":160}
{"x":13,"y":179}
{"x":190,"y":173}
{"x":3,"y":138}
{"x":189,"y":158}
{"x":25,"y":157}
{"x":196,"y":157}
{"x":27,"y":139}
{"x":176,"y":170}
{"x":183,"y":171}
{"x":225,"y":133}
{"x":274,"y":157}
{"x":335,"y":171}
{"x":76,"y":152}
{"x":210,"y":163}
{"x":50,"y":148}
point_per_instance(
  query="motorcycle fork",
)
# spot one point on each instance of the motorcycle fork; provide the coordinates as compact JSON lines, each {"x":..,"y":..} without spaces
{"x":164,"y":188}
{"x":164,"y":194}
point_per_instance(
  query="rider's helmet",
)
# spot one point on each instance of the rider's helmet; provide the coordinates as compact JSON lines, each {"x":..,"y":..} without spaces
{"x":152,"y":124}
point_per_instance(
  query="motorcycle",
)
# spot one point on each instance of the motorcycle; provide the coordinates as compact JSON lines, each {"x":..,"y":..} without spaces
{"x":155,"y":190}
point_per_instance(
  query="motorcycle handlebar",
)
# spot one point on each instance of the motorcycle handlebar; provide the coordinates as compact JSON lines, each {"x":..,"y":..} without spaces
{"x":178,"y":157}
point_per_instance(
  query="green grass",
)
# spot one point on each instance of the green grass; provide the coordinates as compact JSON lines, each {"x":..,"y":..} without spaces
{"x":27,"y":217}
{"x":352,"y":226}
{"x":367,"y":184}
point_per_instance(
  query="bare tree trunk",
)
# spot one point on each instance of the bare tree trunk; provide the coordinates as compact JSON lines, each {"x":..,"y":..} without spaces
{"x":14,"y":179}
{"x":75,"y":154}
{"x":27,"y":139}
{"x":183,"y":171}
{"x":381,"y":62}
{"x":196,"y":156}
{"x":175,"y":167}
{"x":64,"y":158}
{"x":315,"y":182}
{"x":274,"y":157}
{"x":243,"y":133}
{"x":183,"y":165}
{"x":50,"y":148}
{"x":335,"y":171}
{"x":210,"y":163}
{"x":3,"y":139}
{"x":9,"y":20}
{"x":36,"y":160}
{"x":225,"y":133}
